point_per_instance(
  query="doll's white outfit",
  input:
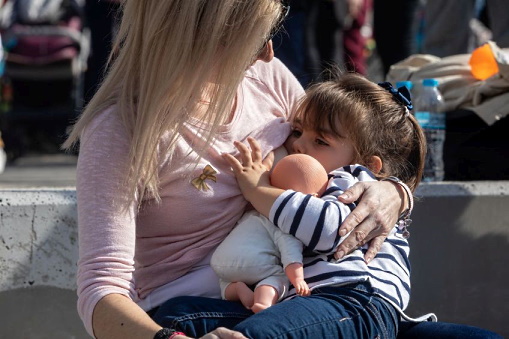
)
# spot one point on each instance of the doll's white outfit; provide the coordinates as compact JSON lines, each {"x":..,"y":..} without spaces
{"x":266,"y":253}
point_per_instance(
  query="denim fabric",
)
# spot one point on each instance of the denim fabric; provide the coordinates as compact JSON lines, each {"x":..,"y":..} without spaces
{"x":330,"y":312}
{"x":441,"y":330}
{"x":196,"y":316}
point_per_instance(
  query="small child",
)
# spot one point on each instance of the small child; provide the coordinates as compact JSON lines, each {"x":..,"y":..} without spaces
{"x":358,"y":131}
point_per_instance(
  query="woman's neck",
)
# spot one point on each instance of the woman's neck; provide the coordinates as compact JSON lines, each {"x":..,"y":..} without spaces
{"x":202,"y":106}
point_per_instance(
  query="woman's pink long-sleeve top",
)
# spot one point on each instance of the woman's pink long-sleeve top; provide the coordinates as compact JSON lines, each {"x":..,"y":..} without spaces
{"x":133,"y":253}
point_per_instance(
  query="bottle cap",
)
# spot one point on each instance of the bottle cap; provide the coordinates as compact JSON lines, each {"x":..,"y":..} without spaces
{"x":430,"y":82}
{"x":407,"y":84}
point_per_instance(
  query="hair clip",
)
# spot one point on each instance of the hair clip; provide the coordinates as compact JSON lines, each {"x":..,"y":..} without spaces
{"x":402,"y":95}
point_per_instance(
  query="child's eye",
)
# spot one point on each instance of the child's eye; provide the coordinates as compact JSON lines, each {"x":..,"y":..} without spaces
{"x":296,"y":133}
{"x":321,"y":142}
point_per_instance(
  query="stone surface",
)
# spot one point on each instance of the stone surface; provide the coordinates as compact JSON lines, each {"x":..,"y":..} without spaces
{"x":38,"y":239}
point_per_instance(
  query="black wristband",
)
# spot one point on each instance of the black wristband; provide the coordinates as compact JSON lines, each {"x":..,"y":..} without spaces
{"x":164,"y":333}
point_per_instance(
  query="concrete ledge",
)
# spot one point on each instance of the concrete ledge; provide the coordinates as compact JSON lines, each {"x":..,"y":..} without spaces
{"x":459,"y":239}
{"x":461,"y":189}
{"x":38,"y":255}
{"x":38,"y":238}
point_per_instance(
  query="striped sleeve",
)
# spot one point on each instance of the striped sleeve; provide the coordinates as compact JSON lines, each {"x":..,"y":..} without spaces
{"x":315,"y":221}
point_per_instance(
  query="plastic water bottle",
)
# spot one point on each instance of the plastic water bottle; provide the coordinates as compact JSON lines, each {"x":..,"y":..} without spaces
{"x":430,"y":115}
{"x":406,"y":83}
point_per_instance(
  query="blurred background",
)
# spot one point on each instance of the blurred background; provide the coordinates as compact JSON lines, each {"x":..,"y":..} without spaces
{"x":55,"y":52}
{"x":54,"y":55}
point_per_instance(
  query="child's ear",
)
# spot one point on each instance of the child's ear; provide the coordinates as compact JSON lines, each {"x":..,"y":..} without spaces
{"x":375,"y":164}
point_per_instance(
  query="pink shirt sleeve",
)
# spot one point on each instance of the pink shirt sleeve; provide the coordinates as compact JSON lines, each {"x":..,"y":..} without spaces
{"x":106,"y":230}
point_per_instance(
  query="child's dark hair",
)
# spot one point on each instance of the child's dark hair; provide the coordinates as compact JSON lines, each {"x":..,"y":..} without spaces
{"x":375,"y":122}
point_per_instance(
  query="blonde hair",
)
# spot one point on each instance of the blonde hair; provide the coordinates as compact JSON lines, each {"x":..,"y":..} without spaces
{"x":374,"y":121}
{"x":165,"y":54}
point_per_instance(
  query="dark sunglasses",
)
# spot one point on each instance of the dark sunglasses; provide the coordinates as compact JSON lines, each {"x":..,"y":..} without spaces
{"x":286,"y":9}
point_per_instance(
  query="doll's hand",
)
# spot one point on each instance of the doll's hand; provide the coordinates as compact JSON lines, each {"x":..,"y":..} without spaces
{"x":302,"y":288}
{"x":295,"y":273}
{"x":251,"y":171}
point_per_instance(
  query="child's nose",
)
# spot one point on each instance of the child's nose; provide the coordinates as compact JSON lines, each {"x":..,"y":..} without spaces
{"x":298,"y":147}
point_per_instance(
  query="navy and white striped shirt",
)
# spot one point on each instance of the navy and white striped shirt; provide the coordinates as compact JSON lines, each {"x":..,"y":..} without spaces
{"x":315,"y":221}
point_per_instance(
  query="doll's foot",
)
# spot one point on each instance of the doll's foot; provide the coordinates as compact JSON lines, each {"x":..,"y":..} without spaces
{"x":258,"y":307}
{"x":246,"y":295}
{"x":240,"y":291}
{"x":264,"y":297}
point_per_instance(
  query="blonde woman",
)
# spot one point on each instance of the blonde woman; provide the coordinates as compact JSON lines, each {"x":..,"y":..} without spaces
{"x":155,"y":197}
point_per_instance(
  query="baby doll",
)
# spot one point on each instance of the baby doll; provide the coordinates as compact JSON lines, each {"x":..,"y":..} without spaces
{"x":272,"y":258}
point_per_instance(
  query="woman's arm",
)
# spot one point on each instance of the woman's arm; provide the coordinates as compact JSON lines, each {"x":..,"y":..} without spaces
{"x":116,"y":316}
{"x":107,"y":235}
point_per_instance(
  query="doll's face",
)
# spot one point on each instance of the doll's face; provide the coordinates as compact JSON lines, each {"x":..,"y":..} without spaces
{"x":331,"y":150}
{"x":300,"y":172}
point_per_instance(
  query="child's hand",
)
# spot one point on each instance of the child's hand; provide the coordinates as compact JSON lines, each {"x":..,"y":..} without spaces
{"x":251,"y":171}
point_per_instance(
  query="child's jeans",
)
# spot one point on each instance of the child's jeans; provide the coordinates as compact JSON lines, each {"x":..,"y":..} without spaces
{"x":350,"y":311}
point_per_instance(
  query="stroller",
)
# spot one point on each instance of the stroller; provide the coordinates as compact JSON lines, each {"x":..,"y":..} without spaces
{"x":47,"y":48}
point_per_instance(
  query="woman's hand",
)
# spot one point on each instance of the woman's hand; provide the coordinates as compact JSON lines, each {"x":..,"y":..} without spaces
{"x":377,"y":212}
{"x":223,"y":333}
{"x":220,"y":332}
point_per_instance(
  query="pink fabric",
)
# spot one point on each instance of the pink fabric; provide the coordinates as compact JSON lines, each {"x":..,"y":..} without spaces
{"x":41,"y":46}
{"x":172,"y":237}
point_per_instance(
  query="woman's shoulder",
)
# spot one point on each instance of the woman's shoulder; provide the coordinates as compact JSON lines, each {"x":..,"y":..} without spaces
{"x":260,"y":68}
{"x":105,"y":125}
{"x":273,"y":74}
{"x":275,"y":80}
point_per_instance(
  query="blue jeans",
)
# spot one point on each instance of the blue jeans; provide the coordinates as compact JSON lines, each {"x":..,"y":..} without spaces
{"x":440,"y":330}
{"x":330,"y":312}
